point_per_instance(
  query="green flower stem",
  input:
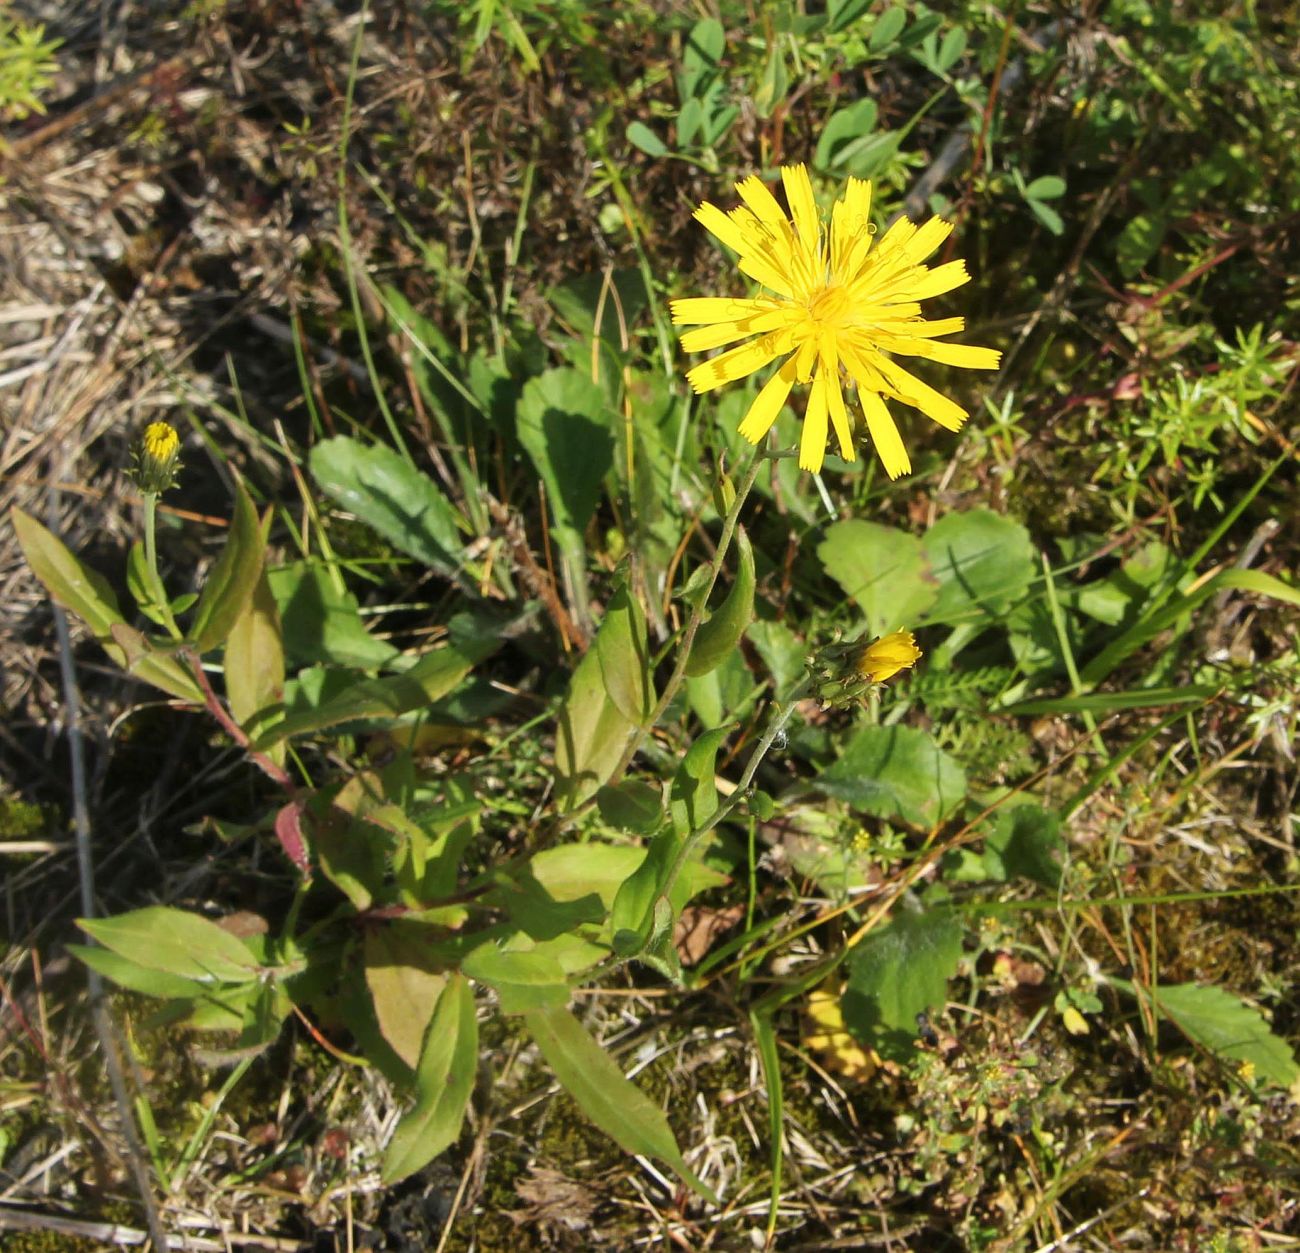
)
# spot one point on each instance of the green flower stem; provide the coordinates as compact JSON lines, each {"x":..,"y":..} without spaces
{"x":156,"y":588}
{"x":696,"y":619}
{"x":781,"y":714}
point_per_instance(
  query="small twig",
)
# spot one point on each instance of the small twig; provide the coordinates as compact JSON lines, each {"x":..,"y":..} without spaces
{"x":86,"y":878}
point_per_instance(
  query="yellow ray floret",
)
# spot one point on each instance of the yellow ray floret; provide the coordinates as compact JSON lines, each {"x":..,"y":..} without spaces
{"x":842,"y":306}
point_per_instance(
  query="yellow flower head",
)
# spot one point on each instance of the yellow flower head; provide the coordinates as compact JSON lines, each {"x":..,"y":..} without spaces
{"x":887,"y":656}
{"x":841,"y":309}
{"x":157,"y":458}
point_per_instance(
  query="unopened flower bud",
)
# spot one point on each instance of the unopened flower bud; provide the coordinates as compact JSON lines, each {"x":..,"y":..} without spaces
{"x":157,"y":458}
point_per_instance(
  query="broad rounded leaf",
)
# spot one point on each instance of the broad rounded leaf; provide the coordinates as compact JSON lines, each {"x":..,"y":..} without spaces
{"x":389,"y":494}
{"x":883,"y":569}
{"x":983,"y":562}
{"x":897,"y":972}
{"x":896,"y":772}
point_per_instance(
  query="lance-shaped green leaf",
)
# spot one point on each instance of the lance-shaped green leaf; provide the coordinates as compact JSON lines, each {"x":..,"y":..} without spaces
{"x":623,"y":650}
{"x":131,"y":975}
{"x":175,"y":942}
{"x":393,"y":497}
{"x":605,"y":1094}
{"x":717,"y":639}
{"x":694,"y":796}
{"x":444,"y":1081}
{"x":523,"y":980}
{"x":591,"y":735}
{"x":631,"y":806}
{"x":254,"y":660}
{"x":79,"y":589}
{"x":1218,"y":1021}
{"x":1164,"y":617}
{"x":405,"y":985}
{"x":430,"y":679}
{"x":230,"y":583}
{"x":634,"y":919}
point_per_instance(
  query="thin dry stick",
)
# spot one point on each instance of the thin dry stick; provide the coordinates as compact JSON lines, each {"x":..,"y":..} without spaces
{"x":86,"y":877}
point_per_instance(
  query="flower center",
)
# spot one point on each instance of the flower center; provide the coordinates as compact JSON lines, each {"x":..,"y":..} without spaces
{"x":828,"y":307}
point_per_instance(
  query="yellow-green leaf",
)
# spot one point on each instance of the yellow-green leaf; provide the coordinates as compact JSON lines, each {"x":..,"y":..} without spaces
{"x":254,"y":661}
{"x":230,"y":583}
{"x":717,"y":639}
{"x":444,"y":1081}
{"x":81,"y":591}
{"x":605,"y":1094}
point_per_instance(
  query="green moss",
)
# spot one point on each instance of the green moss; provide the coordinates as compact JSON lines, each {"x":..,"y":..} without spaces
{"x":22,"y":820}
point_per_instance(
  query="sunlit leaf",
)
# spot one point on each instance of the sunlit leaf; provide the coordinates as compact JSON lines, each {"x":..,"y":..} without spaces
{"x":230,"y":583}
{"x":611,"y":1100}
{"x":901,"y":970}
{"x":444,"y":1081}
{"x":896,"y":772}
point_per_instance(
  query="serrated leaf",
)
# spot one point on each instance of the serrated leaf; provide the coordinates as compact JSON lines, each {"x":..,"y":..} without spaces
{"x":392,"y":497}
{"x":623,"y":649}
{"x":81,"y":591}
{"x":883,"y":569}
{"x":897,"y":972}
{"x":175,"y":942}
{"x":432,"y":677}
{"x":523,"y":980}
{"x":444,"y":1081}
{"x":717,"y":639}
{"x":230,"y":582}
{"x":1225,"y":1025}
{"x":611,"y":1100}
{"x":405,"y":984}
{"x":896,"y":772}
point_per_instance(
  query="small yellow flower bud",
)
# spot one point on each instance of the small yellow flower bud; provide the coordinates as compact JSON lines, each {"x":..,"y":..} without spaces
{"x":1073,"y":1021}
{"x":887,"y":656}
{"x":157,"y":458}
